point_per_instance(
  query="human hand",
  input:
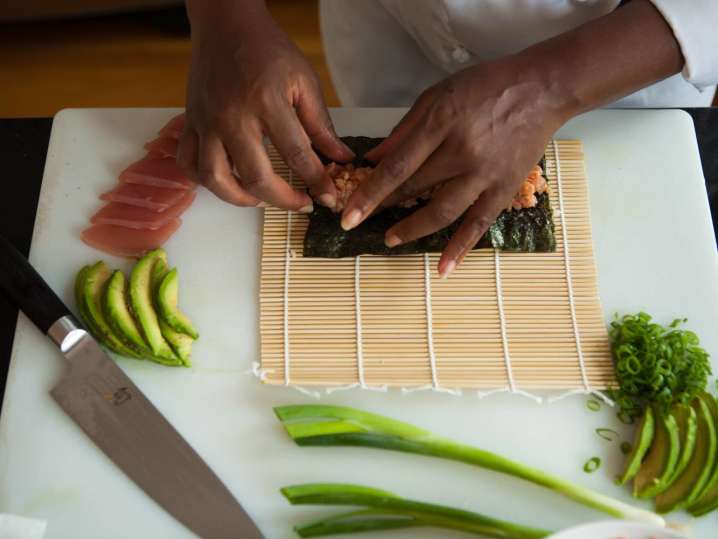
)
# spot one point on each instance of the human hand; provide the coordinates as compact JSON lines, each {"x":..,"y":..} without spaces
{"x":475,"y":136}
{"x":247,"y":79}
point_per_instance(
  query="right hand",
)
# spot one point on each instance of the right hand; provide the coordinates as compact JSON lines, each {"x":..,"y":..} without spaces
{"x":247,"y":79}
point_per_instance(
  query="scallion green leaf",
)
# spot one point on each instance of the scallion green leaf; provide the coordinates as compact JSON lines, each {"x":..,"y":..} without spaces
{"x":592,"y":465}
{"x":322,"y":425}
{"x":607,"y":434}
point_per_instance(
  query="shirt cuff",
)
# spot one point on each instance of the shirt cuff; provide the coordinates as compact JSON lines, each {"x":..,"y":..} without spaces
{"x":693,"y":23}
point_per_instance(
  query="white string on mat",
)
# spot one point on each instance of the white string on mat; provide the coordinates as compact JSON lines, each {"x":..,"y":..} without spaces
{"x":434,"y":385}
{"x":287,"y":258}
{"x":259,"y":372}
{"x":288,"y":254}
{"x":586,"y":390}
{"x":357,"y":313}
{"x":504,"y":339}
{"x":359,"y":338}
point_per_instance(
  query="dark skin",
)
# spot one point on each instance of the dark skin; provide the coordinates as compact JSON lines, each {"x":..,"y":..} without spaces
{"x":476,"y":134}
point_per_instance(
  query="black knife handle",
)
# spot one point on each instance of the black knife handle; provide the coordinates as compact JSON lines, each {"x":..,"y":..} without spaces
{"x":24,"y":287}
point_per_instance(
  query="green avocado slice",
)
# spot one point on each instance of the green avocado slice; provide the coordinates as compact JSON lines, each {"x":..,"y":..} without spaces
{"x":687,"y":421}
{"x":167,"y":296}
{"x":119,"y":316}
{"x":689,"y":485}
{"x":141,"y":302}
{"x":180,"y":343}
{"x":79,"y":300}
{"x":641,"y":445}
{"x":90,"y":286}
{"x":708,"y":499}
{"x":657,"y":469}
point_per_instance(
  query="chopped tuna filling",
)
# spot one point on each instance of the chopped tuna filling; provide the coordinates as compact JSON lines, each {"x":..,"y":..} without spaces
{"x":347,"y":178}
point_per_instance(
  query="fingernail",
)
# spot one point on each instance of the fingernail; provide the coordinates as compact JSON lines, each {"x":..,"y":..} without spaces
{"x":450,"y":267}
{"x":262,"y":204}
{"x":351,"y":220}
{"x":309,"y":208}
{"x":328,"y":200}
{"x":392,"y":240}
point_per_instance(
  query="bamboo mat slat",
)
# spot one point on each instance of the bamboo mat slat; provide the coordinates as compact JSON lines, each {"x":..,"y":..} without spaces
{"x":377,"y":321}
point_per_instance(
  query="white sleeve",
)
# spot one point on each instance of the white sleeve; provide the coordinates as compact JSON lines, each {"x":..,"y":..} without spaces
{"x":694,"y":23}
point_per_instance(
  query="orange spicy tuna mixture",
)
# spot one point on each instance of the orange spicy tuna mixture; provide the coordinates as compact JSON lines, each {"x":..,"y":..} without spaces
{"x":347,"y":178}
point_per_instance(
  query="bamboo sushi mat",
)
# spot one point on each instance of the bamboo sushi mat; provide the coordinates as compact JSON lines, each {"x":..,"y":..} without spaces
{"x":501,"y":322}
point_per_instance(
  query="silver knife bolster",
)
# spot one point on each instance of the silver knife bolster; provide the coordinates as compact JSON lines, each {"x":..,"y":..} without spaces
{"x":66,"y":333}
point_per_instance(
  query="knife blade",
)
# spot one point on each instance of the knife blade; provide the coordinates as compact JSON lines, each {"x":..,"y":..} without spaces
{"x":119,"y":419}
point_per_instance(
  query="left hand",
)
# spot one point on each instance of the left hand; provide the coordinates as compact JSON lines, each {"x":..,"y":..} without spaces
{"x":477,"y":134}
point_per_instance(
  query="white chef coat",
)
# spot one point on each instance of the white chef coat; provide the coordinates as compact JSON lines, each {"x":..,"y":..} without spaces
{"x":383,"y":53}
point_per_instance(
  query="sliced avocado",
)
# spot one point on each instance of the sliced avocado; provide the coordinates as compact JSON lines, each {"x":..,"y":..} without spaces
{"x":167,"y":305}
{"x":159,"y":270}
{"x":141,"y":302}
{"x":708,"y":499}
{"x":687,"y":422}
{"x":79,"y":287}
{"x":660,"y":462}
{"x":641,"y":445}
{"x":689,"y":485}
{"x":180,"y":343}
{"x":91,"y":289}
{"x":119,"y":316}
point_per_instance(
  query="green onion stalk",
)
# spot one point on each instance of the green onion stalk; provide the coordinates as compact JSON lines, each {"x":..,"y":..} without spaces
{"x":323,"y":425}
{"x":387,"y":511}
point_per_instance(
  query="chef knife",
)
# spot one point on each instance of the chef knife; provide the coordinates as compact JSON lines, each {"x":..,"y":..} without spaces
{"x":115,"y":414}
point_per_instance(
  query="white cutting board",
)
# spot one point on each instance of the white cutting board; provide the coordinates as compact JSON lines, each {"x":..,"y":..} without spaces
{"x":655,"y":251}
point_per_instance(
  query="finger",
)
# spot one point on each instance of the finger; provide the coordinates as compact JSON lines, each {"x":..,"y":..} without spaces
{"x":314,"y":116}
{"x":445,"y":207}
{"x":187,"y":150}
{"x":407,"y":124}
{"x":256,"y":175}
{"x":391,"y":172}
{"x":475,"y":224}
{"x":292,"y":143}
{"x":215,"y":173}
{"x":439,"y":167}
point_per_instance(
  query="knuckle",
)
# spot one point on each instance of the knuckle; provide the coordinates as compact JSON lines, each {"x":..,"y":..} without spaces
{"x":468,"y":148}
{"x":442,"y":114}
{"x":254,"y":180}
{"x":261,"y":98}
{"x":481,"y":223}
{"x":321,"y":130}
{"x":445,"y":213}
{"x":404,"y":191}
{"x":299,"y":157}
{"x":396,"y":168}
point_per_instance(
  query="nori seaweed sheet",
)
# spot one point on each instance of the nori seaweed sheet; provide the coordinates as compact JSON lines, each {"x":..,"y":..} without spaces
{"x":525,"y":230}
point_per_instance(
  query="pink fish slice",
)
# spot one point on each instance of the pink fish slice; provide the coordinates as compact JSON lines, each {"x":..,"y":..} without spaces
{"x":158,"y":172}
{"x":157,"y":199}
{"x":116,"y":213}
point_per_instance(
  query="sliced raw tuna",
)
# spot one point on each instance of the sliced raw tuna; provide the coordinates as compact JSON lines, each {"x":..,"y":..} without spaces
{"x":122,"y":241}
{"x":174,"y":127}
{"x":159,"y":172}
{"x":116,"y":213}
{"x":145,"y":196}
{"x":162,"y":147}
